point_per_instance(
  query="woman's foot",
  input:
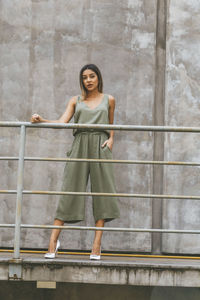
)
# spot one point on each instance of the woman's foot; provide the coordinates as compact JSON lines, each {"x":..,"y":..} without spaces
{"x":96,"y":252}
{"x":96,"y":249}
{"x":52,"y":254}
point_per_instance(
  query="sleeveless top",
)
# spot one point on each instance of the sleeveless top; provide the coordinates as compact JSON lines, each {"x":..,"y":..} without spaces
{"x":98,"y":115}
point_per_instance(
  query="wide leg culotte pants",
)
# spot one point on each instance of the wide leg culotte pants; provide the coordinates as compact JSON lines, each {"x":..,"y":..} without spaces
{"x":71,"y":208}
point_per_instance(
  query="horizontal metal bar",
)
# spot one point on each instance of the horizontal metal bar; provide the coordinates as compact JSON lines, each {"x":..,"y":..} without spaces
{"x":118,"y":161}
{"x":8,"y":191}
{"x":7,"y":225}
{"x":182,"y":197}
{"x":102,"y":126}
{"x":9,"y":158}
{"x":103,"y":228}
{"x":113,"y":195}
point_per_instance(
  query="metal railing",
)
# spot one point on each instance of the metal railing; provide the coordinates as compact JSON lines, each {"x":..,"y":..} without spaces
{"x":21,"y":159}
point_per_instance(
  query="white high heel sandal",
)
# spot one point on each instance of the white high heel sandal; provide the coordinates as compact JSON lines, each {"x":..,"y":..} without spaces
{"x":53,"y":254}
{"x":95,"y":257}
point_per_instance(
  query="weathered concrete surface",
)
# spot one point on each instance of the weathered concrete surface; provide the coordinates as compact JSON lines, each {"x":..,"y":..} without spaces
{"x":43,"y":46}
{"x":110,"y":270}
{"x":159,"y":117}
{"x":182,"y":109}
{"x":72,"y":291}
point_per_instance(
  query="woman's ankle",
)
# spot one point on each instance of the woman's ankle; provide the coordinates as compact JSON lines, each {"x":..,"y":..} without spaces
{"x":96,"y":249}
{"x":52,"y":246}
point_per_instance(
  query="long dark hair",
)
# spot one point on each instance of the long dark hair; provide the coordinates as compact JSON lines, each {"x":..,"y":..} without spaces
{"x":95,"y":69}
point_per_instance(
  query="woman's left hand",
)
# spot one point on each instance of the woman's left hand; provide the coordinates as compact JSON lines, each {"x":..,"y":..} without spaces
{"x":109,"y":143}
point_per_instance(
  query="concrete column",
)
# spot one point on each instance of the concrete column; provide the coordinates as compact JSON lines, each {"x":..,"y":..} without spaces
{"x":159,"y":119}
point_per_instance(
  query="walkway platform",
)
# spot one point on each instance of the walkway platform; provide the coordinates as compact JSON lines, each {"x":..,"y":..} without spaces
{"x":145,"y":271}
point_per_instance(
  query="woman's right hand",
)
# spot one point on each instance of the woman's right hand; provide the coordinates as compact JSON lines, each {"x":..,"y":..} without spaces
{"x":36,"y":118}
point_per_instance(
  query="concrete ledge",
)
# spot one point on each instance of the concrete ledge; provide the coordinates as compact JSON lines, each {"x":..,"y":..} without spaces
{"x":110,"y":270}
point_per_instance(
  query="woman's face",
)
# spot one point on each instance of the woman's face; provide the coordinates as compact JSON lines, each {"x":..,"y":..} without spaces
{"x":90,"y":80}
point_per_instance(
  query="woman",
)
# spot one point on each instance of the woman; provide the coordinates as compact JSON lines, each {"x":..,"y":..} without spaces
{"x":92,"y":107}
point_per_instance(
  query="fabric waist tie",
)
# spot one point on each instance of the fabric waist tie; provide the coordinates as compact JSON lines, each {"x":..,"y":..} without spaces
{"x":91,"y":132}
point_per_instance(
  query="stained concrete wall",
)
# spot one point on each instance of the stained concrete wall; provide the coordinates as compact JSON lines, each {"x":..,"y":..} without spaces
{"x":182,"y":107}
{"x":43,"y":46}
{"x":21,"y":290}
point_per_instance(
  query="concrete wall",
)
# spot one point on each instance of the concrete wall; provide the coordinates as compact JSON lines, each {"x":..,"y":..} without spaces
{"x":182,"y":107}
{"x":21,"y":290}
{"x":43,"y":46}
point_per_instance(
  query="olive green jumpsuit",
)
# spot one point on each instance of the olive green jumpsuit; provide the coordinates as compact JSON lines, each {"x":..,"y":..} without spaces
{"x":88,"y":144}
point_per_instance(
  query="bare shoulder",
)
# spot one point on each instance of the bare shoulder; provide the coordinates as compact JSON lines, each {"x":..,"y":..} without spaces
{"x":111,"y":100}
{"x":72,"y":101}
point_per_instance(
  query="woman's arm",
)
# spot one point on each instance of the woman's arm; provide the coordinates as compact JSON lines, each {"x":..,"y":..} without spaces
{"x":110,"y":141}
{"x":65,"y":118}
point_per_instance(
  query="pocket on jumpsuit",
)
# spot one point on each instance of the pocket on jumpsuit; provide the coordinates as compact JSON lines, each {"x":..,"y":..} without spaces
{"x":69,"y":152}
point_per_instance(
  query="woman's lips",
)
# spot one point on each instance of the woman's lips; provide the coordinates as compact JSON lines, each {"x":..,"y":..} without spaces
{"x":89,"y":85}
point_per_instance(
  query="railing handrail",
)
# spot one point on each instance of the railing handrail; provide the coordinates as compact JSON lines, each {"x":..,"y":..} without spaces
{"x":122,"y":195}
{"x":101,"y":126}
{"x":95,"y":127}
{"x":118,"y":229}
{"x":118,"y":161}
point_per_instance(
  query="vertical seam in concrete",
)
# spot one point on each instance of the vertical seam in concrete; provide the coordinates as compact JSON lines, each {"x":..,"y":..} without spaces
{"x":1,"y":75}
{"x":31,"y":57}
{"x":54,"y":49}
{"x":87,"y":6}
{"x":159,"y":119}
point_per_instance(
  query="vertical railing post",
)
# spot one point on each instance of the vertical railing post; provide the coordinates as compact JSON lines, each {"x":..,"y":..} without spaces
{"x":20,"y":182}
